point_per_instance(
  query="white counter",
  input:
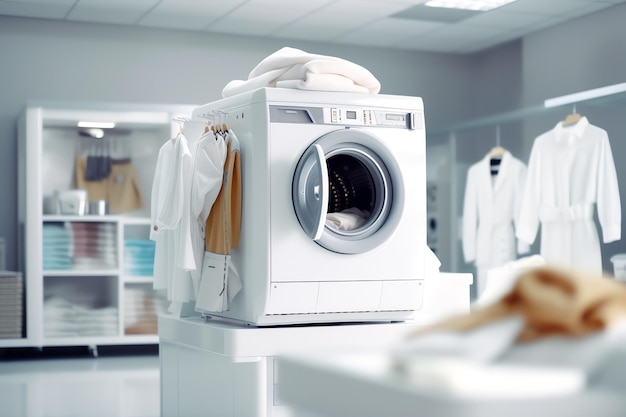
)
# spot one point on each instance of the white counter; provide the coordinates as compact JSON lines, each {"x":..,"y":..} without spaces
{"x":365,"y":385}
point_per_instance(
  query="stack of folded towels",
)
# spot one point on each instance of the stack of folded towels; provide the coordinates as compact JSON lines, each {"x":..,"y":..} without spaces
{"x":294,"y":68}
{"x":139,"y":257}
{"x":57,"y":246}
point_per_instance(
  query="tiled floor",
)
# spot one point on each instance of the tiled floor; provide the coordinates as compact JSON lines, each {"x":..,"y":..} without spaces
{"x":74,"y":383}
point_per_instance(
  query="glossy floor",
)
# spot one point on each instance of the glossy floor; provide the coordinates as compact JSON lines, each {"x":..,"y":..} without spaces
{"x":67,"y":384}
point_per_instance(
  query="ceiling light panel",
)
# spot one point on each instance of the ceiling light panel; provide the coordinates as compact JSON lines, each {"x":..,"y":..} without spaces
{"x":475,"y":5}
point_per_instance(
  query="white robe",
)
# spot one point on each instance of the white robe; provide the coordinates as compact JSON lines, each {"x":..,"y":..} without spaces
{"x":490,"y":211}
{"x":570,"y":172}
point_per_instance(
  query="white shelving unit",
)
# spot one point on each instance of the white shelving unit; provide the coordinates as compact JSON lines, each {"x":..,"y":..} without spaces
{"x":94,"y":296}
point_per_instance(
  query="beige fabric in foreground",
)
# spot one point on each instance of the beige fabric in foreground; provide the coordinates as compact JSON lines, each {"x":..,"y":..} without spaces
{"x":553,"y":302}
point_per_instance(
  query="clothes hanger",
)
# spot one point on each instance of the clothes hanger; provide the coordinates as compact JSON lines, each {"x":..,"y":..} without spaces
{"x":222,"y":126}
{"x":572,"y":118}
{"x":497,"y":151}
{"x":210,"y":125}
{"x":181,"y":123}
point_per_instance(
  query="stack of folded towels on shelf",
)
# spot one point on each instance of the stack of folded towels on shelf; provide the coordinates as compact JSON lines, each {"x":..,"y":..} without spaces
{"x":139,"y":257}
{"x":57,"y":246}
{"x":141,"y":309}
{"x":81,"y":245}
{"x":11,"y":304}
{"x":65,"y":318}
{"x":94,"y":245}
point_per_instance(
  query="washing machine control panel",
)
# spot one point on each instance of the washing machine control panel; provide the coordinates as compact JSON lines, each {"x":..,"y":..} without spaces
{"x":366,"y":117}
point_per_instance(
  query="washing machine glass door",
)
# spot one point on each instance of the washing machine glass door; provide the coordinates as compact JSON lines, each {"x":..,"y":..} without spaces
{"x":343,"y":190}
{"x":312,"y":194}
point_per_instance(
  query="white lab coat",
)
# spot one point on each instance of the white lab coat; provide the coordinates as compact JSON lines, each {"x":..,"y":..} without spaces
{"x":490,"y":209}
{"x":571,"y":171}
{"x":169,"y":228}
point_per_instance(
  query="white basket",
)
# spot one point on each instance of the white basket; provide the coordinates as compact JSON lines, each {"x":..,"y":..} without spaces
{"x":619,"y":266}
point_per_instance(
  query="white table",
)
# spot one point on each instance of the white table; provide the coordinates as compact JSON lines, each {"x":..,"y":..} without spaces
{"x":364,"y":385}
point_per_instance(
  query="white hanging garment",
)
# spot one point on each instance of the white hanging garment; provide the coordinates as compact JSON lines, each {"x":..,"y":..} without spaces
{"x":220,"y":283}
{"x":490,"y":210}
{"x":570,"y":173}
{"x":205,"y":186}
{"x":169,"y":206}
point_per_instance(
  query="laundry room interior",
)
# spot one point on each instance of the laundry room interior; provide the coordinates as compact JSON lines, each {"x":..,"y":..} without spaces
{"x":320,"y":209}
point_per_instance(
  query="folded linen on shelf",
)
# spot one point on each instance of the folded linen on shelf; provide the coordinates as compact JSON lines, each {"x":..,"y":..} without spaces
{"x":294,"y":68}
{"x":64,"y":318}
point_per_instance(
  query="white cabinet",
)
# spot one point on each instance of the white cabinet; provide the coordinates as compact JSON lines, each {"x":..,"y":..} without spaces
{"x":88,"y":277}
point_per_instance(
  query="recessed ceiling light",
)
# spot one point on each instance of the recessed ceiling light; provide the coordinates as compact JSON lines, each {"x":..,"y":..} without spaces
{"x":98,"y":125}
{"x":477,"y":5}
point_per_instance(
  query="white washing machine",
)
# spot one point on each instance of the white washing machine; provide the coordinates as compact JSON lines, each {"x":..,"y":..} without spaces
{"x":307,"y":155}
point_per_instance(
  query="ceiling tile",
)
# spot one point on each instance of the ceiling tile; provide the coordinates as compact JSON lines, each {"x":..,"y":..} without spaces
{"x":448,"y":36}
{"x":587,"y":8}
{"x":188,"y":14}
{"x":389,"y":31}
{"x":51,"y":9}
{"x":542,"y":7}
{"x":110,"y":11}
{"x":503,"y":19}
{"x":253,"y":18}
{"x":337,"y":18}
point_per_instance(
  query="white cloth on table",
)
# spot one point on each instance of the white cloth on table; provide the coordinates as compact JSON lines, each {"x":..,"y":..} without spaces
{"x":294,"y":68}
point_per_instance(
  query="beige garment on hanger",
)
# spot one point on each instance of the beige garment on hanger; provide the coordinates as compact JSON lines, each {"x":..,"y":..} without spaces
{"x":553,"y":302}
{"x":224,"y":222}
{"x":120,"y":189}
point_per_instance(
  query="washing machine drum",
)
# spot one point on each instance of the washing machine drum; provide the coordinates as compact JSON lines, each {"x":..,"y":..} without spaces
{"x":344,"y":193}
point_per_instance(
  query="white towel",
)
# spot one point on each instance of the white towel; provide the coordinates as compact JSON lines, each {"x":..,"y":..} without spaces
{"x":294,"y":68}
{"x":348,"y":219}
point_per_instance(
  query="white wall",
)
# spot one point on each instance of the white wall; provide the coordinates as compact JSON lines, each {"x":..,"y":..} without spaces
{"x":47,"y":60}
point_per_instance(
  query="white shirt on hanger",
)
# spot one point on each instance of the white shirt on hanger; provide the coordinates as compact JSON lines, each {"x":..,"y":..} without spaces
{"x":169,"y":229}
